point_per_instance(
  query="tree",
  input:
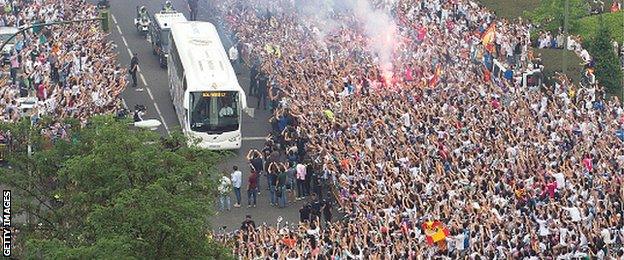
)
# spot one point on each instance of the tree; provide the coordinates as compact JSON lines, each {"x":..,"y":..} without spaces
{"x":550,"y":14}
{"x":110,"y":191}
{"x":608,"y":72}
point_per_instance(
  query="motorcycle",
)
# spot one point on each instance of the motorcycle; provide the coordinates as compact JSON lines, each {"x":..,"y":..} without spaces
{"x":142,"y":22}
{"x":103,"y":4}
{"x":139,"y":112}
{"x":143,"y":26}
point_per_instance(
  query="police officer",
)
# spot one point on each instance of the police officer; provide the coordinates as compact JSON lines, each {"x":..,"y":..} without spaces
{"x":143,"y":12}
{"x":134,"y":67}
{"x":192,"y":4}
{"x":168,"y":7}
{"x":253,"y":80}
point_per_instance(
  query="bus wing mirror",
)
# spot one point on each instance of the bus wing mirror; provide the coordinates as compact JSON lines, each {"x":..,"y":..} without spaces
{"x":249,"y":111}
{"x":185,"y":102}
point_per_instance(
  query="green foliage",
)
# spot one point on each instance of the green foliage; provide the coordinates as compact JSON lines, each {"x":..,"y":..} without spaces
{"x":608,"y":72}
{"x":113,"y":247}
{"x":550,"y":14}
{"x":511,"y":9}
{"x":553,"y":62}
{"x":613,"y":21}
{"x":111,"y":192}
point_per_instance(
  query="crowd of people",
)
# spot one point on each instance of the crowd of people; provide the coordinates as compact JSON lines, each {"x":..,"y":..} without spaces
{"x":287,"y":178}
{"x":510,"y":172}
{"x":599,"y":6}
{"x":69,"y":69}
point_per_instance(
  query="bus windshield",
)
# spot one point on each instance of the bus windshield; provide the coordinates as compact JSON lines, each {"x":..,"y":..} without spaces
{"x":214,"y":112}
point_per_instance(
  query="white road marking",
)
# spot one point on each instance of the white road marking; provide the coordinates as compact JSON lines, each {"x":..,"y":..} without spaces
{"x":149,"y":92}
{"x":123,"y":102}
{"x":257,"y":138}
{"x":143,"y":79}
{"x":127,"y":46}
{"x":162,"y":119}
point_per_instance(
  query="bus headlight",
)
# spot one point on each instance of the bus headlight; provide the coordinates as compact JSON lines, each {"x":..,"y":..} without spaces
{"x":234,"y":138}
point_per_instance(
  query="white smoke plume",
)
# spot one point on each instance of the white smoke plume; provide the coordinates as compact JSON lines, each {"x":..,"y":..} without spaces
{"x":380,"y":30}
{"x":377,"y":25}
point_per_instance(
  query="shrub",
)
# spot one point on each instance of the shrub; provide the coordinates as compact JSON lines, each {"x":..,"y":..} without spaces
{"x":608,"y":72}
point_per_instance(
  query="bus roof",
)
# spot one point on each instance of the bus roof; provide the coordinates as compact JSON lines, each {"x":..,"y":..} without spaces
{"x":166,"y":19}
{"x":206,"y":65}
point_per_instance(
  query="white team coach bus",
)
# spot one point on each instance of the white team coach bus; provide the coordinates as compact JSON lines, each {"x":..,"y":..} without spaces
{"x":207,"y":97}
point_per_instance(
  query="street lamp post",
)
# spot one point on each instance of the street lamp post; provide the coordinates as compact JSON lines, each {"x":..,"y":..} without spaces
{"x":565,"y":36}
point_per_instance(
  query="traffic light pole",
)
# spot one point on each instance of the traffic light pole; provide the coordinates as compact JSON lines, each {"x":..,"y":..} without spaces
{"x":103,"y":18}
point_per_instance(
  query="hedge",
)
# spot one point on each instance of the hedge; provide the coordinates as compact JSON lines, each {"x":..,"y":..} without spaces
{"x":614,"y":21}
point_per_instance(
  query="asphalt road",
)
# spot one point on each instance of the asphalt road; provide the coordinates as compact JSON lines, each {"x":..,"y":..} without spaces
{"x":155,"y":96}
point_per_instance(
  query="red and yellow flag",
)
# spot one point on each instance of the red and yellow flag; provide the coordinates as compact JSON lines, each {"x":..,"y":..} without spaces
{"x":435,"y":231}
{"x":436,"y":76}
{"x":487,"y":38}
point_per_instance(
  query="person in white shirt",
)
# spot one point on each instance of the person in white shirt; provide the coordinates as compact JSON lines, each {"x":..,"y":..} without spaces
{"x":575,"y":213}
{"x":302,"y":189}
{"x":226,"y":111}
{"x":585,"y":56}
{"x":237,"y":181}
{"x":605,"y":233}
{"x":225,"y":186}
{"x":233,"y":53}
{"x":459,"y":242}
{"x":560,"y":178}
{"x":544,"y":231}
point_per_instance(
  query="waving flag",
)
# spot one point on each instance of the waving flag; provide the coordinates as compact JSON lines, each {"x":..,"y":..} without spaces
{"x":436,"y":76}
{"x":487,"y":38}
{"x":435,"y":231}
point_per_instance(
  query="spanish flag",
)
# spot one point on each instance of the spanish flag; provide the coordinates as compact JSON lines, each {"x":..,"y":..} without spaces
{"x":488,"y":37}
{"x":436,"y":76}
{"x":435,"y":231}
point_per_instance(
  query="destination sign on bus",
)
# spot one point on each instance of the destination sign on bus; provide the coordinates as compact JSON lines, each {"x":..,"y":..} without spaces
{"x":213,"y":94}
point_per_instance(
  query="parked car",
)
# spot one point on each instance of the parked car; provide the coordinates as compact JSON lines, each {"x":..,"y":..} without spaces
{"x":5,"y":34}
